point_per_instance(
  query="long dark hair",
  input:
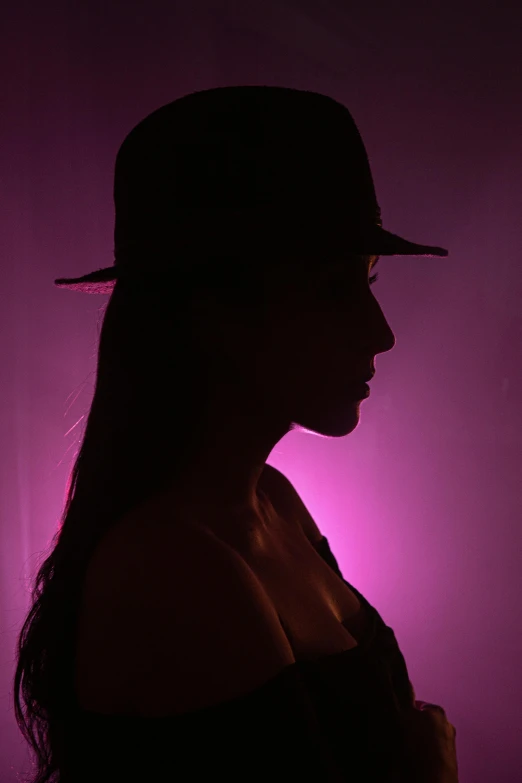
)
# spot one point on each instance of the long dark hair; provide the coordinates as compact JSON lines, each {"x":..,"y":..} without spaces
{"x":133,"y":440}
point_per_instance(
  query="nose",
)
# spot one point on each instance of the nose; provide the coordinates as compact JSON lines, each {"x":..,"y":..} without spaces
{"x":380,"y":331}
{"x":388,"y":340}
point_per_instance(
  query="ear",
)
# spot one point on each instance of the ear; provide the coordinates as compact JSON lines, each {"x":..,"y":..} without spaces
{"x":206,"y":317}
{"x":219,"y":328}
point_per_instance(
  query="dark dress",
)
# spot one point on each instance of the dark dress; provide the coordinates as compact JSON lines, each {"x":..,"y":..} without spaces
{"x":332,"y":720}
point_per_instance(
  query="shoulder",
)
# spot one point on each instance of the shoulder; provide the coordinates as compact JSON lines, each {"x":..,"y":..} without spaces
{"x":287,"y":501}
{"x":178,"y":621}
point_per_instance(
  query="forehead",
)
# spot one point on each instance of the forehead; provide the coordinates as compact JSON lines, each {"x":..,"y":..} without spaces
{"x":345,"y":262}
{"x":351,"y":260}
{"x":294,"y":273}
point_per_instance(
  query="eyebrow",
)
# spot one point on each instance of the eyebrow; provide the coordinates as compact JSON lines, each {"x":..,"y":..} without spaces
{"x":340,"y":263}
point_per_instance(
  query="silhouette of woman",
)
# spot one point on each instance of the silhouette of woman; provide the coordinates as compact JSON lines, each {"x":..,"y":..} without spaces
{"x":182,"y":625}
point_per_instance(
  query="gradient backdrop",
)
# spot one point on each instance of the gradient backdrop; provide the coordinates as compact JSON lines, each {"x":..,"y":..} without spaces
{"x":422,"y":503}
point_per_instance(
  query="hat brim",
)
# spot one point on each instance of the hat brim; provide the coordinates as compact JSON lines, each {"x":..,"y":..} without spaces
{"x":100,"y":282}
{"x":382,"y":243}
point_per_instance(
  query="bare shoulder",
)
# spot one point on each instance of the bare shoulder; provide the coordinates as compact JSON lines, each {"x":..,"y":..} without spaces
{"x":173,"y":620}
{"x":287,"y":501}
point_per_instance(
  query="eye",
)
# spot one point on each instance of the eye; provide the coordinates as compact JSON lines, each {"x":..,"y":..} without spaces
{"x":374,"y":278}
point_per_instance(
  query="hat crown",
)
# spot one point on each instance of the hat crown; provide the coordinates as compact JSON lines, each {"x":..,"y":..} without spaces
{"x":240,"y":148}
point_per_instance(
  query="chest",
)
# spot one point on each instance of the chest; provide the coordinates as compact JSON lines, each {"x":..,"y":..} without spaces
{"x":318,"y":611}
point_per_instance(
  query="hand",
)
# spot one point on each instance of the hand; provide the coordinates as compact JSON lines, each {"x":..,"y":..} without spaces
{"x":431,"y":744}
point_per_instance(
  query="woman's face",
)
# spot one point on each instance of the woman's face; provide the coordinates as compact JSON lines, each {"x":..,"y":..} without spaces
{"x":321,"y":332}
{"x":296,"y":357}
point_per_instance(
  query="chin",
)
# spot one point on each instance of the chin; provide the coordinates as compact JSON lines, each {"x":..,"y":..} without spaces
{"x":336,"y":425}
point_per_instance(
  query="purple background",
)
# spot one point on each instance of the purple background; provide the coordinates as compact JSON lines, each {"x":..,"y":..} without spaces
{"x":422,"y":503}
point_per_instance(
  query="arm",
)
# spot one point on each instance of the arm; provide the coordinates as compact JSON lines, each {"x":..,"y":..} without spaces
{"x":185,"y":622}
{"x":212,"y":683}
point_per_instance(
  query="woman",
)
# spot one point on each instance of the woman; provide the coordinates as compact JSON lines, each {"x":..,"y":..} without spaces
{"x":191,"y":619}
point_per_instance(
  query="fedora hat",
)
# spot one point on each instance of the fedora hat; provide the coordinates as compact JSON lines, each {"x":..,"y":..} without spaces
{"x":238,"y":172}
